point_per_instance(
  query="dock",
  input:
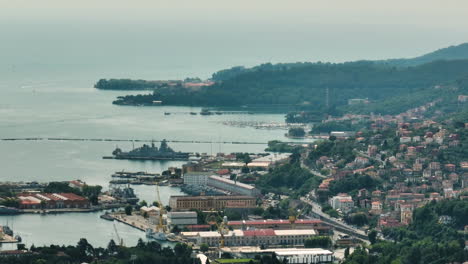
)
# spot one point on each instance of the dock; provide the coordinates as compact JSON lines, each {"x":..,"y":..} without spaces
{"x":134,"y":221}
{"x":6,"y":235}
{"x":8,"y":239}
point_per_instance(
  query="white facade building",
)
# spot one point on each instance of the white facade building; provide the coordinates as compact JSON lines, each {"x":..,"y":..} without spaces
{"x":231,"y":186}
{"x":181,"y":218}
{"x":291,"y":255}
{"x":196,"y":179}
{"x":342,"y":202}
{"x":256,"y":237}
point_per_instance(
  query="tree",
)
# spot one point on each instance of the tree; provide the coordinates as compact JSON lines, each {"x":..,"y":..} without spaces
{"x":85,"y":249}
{"x":182,"y":250}
{"x":204,"y":247}
{"x":296,"y":132}
{"x":346,"y":252}
{"x":141,"y":243}
{"x":143,"y":203}
{"x":372,"y":236}
{"x":111,"y":247}
{"x":92,"y":193}
{"x":318,"y":241}
{"x":128,"y":210}
{"x":175,"y":229}
{"x":168,"y":208}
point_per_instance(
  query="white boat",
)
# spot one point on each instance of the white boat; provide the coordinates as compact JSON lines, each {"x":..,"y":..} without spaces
{"x":155,"y":235}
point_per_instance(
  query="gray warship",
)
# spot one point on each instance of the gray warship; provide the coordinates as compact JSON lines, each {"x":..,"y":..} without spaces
{"x":150,"y":152}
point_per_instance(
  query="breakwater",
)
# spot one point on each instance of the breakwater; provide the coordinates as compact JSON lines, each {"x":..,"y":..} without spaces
{"x":136,"y":140}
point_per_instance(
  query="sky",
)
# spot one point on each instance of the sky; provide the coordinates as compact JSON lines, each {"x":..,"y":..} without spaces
{"x":210,"y":34}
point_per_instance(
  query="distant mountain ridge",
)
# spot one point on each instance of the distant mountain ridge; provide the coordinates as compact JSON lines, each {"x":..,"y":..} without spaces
{"x":458,"y":52}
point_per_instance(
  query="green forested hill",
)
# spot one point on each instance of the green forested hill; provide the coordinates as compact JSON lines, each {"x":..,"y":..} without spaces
{"x":307,"y":83}
{"x":459,"y":52}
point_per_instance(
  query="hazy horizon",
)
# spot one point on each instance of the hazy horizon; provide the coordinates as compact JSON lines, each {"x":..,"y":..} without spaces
{"x":204,"y":36}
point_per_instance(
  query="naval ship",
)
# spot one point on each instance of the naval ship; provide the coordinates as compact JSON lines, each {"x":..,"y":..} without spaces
{"x":150,"y":152}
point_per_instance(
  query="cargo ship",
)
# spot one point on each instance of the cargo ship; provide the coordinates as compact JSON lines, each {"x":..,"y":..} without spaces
{"x":150,"y":152}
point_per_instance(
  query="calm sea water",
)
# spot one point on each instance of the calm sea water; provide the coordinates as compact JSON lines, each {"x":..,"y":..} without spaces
{"x":71,"y":108}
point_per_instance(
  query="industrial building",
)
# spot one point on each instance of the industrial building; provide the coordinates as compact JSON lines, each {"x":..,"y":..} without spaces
{"x":315,"y":224}
{"x":205,"y":203}
{"x":265,"y":162}
{"x":256,"y":237}
{"x":182,"y":218}
{"x":52,"y":201}
{"x":196,"y":178}
{"x":233,"y":187}
{"x":285,"y":255}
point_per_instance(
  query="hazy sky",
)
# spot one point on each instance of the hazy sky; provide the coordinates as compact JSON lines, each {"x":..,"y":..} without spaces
{"x":221,"y":33}
{"x":427,"y":13}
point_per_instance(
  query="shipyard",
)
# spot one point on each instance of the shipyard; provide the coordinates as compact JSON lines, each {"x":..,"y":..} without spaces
{"x":233,"y":132}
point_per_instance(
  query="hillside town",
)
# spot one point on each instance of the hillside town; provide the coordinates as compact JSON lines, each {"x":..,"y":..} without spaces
{"x":364,"y":183}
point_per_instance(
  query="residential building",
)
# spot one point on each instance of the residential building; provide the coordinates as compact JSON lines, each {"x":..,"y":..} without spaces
{"x":342,"y":202}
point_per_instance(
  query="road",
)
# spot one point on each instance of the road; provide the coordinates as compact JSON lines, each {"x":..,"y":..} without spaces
{"x":314,"y":172}
{"x":363,"y":154}
{"x":317,"y":210}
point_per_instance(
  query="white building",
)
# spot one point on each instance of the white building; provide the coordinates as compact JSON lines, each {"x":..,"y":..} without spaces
{"x":196,"y":179}
{"x":256,"y":237}
{"x":231,"y":186}
{"x":304,"y":255}
{"x":342,"y":202}
{"x":182,"y":218}
{"x":291,"y":255}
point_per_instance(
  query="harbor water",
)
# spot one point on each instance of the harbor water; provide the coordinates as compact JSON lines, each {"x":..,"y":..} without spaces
{"x":76,"y":110}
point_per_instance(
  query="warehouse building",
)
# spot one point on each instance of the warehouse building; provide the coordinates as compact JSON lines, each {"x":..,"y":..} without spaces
{"x":182,"y":218}
{"x":51,"y":201}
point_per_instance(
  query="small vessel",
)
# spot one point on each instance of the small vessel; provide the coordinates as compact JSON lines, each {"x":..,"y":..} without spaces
{"x":8,"y":210}
{"x":193,"y":113}
{"x":205,"y":112}
{"x":167,"y":113}
{"x":106,"y":216}
{"x":157,"y":235}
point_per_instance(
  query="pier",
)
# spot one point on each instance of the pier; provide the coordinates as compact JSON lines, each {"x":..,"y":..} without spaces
{"x":139,"y":140}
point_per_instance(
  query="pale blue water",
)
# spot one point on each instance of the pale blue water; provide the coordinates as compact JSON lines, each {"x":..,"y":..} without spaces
{"x":73,"y":109}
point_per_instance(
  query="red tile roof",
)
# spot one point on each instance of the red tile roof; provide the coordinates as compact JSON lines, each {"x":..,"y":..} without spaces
{"x":274,"y":222}
{"x":260,"y":232}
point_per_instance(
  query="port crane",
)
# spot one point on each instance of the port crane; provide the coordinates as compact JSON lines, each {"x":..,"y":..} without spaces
{"x":160,"y":227}
{"x":222,"y":228}
{"x":119,"y":239}
{"x":293,"y":216}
